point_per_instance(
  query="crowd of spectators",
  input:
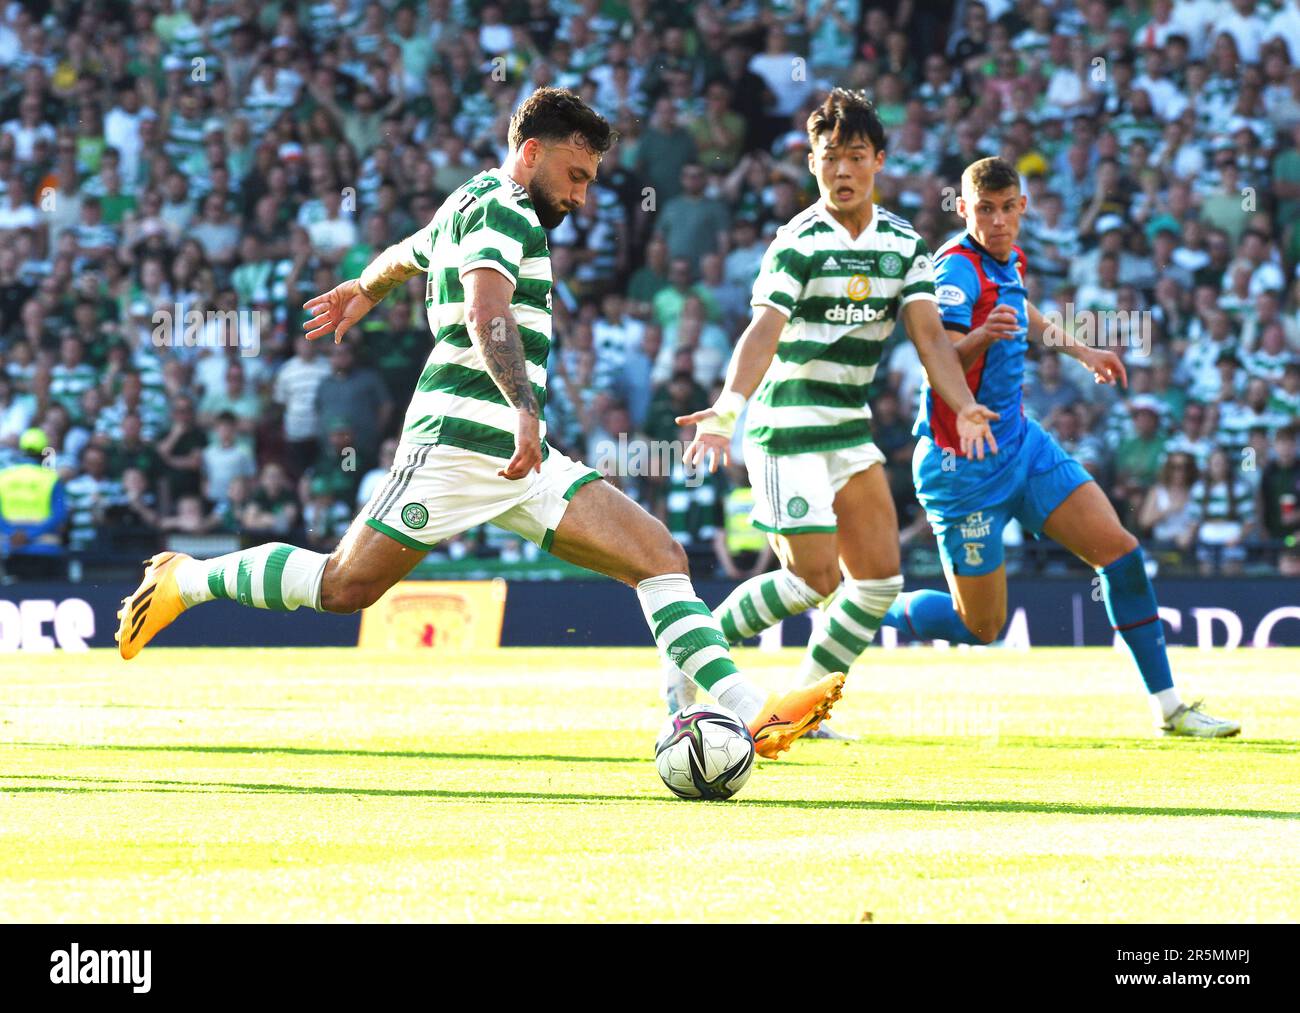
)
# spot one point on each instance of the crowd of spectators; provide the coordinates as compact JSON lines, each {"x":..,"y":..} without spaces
{"x":176,"y":179}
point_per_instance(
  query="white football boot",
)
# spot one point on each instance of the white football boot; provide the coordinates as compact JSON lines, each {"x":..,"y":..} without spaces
{"x":1195,"y":723}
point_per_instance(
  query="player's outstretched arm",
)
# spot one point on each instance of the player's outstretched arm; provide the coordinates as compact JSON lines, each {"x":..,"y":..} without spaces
{"x":394,"y":267}
{"x":1000,"y":324}
{"x":495,"y":334}
{"x":749,"y":362}
{"x":337,"y":310}
{"x":944,"y":371}
{"x":1106,"y":366}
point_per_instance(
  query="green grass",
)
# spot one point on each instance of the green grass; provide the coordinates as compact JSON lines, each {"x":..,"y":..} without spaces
{"x":323,"y":785}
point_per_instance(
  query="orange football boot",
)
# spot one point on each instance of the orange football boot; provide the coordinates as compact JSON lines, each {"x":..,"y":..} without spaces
{"x":785,"y":717}
{"x":153,"y":605}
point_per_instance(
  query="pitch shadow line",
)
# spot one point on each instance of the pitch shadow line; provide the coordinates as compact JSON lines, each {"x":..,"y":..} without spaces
{"x":399,"y":754}
{"x":885,"y":805}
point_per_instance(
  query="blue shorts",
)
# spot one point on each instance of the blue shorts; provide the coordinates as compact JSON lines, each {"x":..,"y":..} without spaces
{"x":969,"y":503}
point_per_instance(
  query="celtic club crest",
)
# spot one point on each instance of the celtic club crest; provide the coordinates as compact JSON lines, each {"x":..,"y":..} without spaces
{"x":414,"y":515}
{"x":891,"y":265}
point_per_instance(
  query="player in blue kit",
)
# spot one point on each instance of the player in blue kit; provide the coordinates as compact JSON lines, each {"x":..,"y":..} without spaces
{"x":985,"y":310}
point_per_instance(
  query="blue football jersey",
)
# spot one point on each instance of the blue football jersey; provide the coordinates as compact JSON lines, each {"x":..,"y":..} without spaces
{"x":969,"y":282}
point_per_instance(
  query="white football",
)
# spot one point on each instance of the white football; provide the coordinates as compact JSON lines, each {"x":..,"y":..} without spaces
{"x":704,"y":752}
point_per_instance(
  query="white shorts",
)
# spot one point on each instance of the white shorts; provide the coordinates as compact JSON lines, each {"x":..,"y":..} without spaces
{"x":794,"y":494}
{"x":437,"y":492}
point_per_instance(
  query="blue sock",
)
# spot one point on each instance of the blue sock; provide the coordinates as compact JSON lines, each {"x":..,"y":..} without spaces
{"x":928,"y":615}
{"x":1131,"y":606}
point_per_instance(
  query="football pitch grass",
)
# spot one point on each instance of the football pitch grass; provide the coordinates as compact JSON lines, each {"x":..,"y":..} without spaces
{"x":336,"y":785}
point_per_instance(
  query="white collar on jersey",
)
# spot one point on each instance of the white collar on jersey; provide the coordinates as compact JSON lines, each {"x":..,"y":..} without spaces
{"x":866,"y":234}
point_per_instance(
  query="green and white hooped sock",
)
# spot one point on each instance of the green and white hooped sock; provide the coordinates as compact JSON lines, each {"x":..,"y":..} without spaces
{"x":273,"y":576}
{"x":763,"y":601}
{"x":852,"y":620}
{"x":688,"y":638}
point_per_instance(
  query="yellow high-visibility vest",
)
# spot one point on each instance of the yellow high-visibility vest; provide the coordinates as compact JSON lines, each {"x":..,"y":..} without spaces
{"x":27,"y":493}
{"x":741,"y":535}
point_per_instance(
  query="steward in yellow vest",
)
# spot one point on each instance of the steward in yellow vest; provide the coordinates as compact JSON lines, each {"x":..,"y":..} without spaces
{"x":742,"y":536}
{"x":32,"y":504}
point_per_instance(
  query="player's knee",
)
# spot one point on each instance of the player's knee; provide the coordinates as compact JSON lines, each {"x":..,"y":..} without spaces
{"x":665,"y":556}
{"x":985,"y":628}
{"x":344,"y":596}
{"x":337,"y":598}
{"x":1124,"y":544}
{"x":822,"y":579}
{"x":674,"y":558}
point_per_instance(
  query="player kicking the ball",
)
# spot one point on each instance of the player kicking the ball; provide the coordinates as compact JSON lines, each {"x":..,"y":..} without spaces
{"x":832,"y":285}
{"x":968,"y":501}
{"x":473,"y":446}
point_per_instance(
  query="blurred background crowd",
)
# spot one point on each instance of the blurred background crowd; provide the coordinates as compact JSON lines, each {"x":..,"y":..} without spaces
{"x":222,"y":162}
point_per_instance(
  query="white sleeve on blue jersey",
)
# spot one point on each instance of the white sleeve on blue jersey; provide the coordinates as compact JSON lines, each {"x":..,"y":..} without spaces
{"x":957,"y":288}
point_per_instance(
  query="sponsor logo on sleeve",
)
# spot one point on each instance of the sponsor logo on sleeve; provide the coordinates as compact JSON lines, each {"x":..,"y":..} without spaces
{"x":950,"y":295}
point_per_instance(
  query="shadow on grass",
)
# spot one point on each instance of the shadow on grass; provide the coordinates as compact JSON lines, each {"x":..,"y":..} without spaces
{"x":100,"y":784}
{"x":1159,"y":743}
{"x":385,"y":754}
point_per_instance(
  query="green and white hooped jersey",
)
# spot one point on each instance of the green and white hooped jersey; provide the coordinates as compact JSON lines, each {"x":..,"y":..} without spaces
{"x":842,"y":297}
{"x":487,"y":222}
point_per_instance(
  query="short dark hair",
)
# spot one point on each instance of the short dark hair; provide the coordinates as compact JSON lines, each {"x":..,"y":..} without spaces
{"x":990,"y":175}
{"x":556,"y":114}
{"x":845,"y":115}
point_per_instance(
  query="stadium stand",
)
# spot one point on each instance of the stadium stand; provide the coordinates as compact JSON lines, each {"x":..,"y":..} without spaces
{"x":176,"y":179}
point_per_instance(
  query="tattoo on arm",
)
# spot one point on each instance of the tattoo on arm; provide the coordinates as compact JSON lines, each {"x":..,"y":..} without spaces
{"x":392,"y":268}
{"x":502,"y":349}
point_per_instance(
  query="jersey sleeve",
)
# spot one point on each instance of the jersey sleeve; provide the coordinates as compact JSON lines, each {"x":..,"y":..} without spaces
{"x":493,"y":235}
{"x":418,"y":247}
{"x":957,"y":290}
{"x":781,"y":277}
{"x":919,"y":281}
